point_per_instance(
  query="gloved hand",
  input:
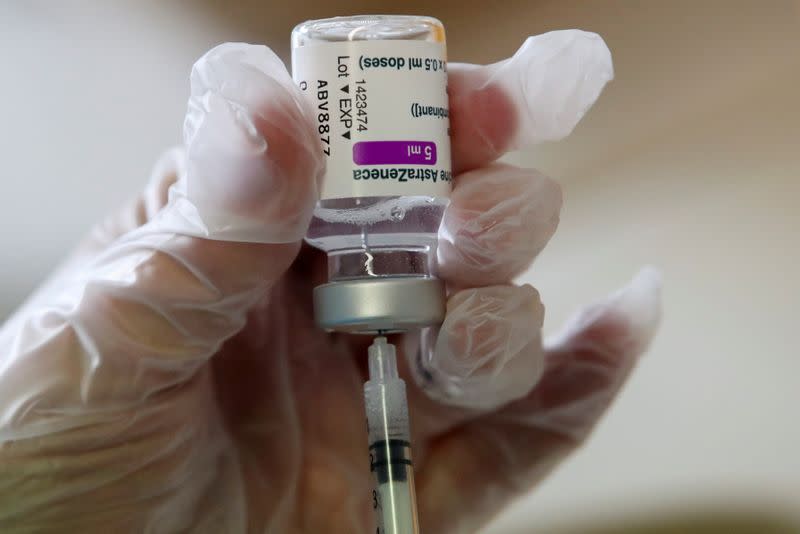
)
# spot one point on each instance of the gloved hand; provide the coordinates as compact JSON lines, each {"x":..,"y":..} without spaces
{"x":169,"y":377}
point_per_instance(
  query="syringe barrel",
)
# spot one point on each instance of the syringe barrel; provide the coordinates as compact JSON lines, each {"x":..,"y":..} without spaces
{"x":393,"y":496}
{"x":387,"y":411}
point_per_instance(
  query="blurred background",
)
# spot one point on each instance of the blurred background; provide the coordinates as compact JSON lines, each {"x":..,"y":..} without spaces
{"x":690,"y":162}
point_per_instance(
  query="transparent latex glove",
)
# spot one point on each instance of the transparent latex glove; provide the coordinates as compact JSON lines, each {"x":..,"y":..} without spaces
{"x":169,"y":376}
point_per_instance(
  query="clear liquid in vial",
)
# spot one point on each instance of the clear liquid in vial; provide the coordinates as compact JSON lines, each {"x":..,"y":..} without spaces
{"x":378,"y":236}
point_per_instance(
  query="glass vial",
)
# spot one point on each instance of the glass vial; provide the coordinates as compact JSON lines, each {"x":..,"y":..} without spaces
{"x":378,"y":88}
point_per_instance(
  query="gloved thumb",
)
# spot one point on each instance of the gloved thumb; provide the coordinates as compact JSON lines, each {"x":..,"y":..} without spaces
{"x":253,"y":157}
{"x":151,"y":306}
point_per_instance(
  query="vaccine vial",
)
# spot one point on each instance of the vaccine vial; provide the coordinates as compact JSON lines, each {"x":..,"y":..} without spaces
{"x":378,"y":88}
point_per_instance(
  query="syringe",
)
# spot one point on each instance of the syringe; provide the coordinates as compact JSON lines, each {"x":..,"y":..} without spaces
{"x":393,"y":497}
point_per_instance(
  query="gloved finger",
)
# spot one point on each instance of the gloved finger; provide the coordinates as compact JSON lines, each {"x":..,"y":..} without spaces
{"x":513,"y":448}
{"x":246,"y":119}
{"x":132,"y":215}
{"x":148,"y":310}
{"x":499,"y":219}
{"x":537,"y":95}
{"x":141,"y":209}
{"x":487,"y":353}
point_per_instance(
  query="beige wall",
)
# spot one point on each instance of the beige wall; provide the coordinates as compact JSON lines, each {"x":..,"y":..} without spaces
{"x":689,"y":162}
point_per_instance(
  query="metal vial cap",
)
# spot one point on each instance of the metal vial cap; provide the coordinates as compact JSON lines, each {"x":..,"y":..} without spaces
{"x":373,"y":305}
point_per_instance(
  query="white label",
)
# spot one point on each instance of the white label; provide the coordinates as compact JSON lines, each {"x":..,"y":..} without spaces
{"x":381,"y":114}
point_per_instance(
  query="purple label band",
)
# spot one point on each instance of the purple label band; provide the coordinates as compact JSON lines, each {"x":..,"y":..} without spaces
{"x":394,"y":152}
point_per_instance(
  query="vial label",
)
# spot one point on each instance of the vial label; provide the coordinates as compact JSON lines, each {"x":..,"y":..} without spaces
{"x":381,"y":115}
